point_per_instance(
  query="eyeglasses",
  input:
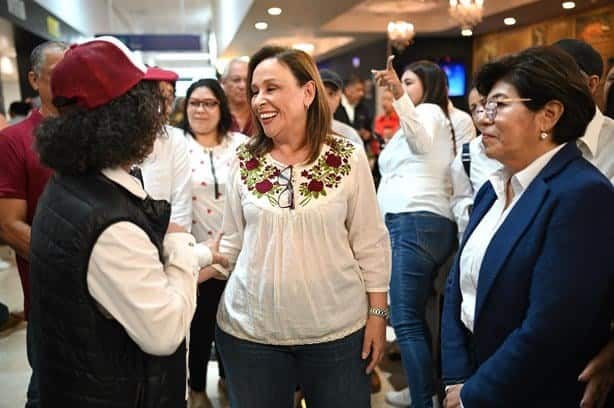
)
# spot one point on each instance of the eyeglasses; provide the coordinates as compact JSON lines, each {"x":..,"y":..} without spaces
{"x":492,"y":105}
{"x":476,"y":111}
{"x":286,"y":196}
{"x":208,"y":104}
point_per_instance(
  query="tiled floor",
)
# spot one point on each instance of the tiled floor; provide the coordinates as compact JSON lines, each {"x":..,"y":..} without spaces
{"x":15,"y":371}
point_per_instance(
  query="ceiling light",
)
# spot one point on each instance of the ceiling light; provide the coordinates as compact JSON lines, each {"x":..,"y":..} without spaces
{"x":306,"y":47}
{"x":509,"y":21}
{"x":466,"y":32}
{"x":274,"y":11}
{"x":468,"y":13}
{"x":400,"y":34}
{"x":568,"y":5}
{"x":261,"y":25}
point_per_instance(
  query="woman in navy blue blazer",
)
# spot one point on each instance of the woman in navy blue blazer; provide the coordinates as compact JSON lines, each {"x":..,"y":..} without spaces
{"x":530,"y":298}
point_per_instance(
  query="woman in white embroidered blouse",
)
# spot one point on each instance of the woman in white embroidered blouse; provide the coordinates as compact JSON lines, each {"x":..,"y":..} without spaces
{"x":306,"y":301}
{"x":414,"y":194}
{"x":211,"y":150}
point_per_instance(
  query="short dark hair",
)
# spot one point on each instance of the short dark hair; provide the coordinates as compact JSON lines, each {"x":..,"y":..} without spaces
{"x":118,"y":133}
{"x":303,"y":69}
{"x":18,"y":108}
{"x":544,"y":74}
{"x":587,"y":58}
{"x":353,"y":79}
{"x":214,"y":86}
{"x":37,"y":56}
{"x":609,"y":103}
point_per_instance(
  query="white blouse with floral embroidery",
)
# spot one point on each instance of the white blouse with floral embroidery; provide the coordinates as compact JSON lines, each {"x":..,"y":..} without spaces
{"x":210,"y":166}
{"x":307,"y":243}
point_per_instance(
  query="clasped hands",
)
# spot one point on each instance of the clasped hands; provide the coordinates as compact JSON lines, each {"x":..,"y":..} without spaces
{"x":209,"y":271}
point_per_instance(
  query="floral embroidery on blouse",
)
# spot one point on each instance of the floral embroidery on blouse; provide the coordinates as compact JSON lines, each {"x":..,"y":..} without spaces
{"x":262,"y":178}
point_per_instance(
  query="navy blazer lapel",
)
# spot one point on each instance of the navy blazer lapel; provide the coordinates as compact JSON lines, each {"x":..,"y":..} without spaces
{"x":506,"y":237}
{"x":517,"y":221}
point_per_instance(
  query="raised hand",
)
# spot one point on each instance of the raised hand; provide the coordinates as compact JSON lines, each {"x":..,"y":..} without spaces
{"x":388,"y":78}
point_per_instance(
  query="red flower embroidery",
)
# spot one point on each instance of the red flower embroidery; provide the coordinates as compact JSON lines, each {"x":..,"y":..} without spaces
{"x":264,"y":186}
{"x":315,"y":186}
{"x":252,"y":164}
{"x":333,"y":160}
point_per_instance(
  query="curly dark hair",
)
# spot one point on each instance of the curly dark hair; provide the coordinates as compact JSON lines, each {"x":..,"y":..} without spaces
{"x":118,"y":133}
{"x":214,"y":86}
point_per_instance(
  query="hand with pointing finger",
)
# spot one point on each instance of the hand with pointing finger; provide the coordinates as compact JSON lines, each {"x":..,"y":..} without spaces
{"x":389,"y":78}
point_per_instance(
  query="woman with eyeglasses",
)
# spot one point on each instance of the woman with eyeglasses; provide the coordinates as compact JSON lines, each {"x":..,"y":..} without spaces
{"x":414,"y":194}
{"x":305,"y":303}
{"x":531,"y":295}
{"x":211,"y":148}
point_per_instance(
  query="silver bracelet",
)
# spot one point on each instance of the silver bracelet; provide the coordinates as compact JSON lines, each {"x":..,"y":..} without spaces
{"x":379,"y":312}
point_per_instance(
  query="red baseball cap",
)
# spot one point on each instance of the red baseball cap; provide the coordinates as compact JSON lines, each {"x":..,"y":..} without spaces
{"x":96,"y":72}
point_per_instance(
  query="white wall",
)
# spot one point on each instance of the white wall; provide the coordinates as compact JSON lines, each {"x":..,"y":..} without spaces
{"x":90,"y":16}
{"x":8,"y":65}
{"x":227,"y":18}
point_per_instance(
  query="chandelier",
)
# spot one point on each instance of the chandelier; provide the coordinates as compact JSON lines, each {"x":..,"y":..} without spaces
{"x":400,"y":34}
{"x":467,"y":12}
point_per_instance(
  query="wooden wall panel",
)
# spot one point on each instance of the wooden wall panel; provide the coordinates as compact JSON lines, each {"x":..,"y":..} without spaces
{"x":595,"y":27}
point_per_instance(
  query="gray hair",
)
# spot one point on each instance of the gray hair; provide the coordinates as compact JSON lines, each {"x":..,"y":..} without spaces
{"x":232,"y":61}
{"x":37,"y":57}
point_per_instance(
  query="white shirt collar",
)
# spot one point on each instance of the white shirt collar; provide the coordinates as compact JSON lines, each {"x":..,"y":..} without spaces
{"x":345,"y":102}
{"x":124,"y":179}
{"x":522,"y":179}
{"x":591,"y":135}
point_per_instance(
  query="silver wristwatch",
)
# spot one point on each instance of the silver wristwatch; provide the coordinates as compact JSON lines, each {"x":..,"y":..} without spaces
{"x":380,"y":312}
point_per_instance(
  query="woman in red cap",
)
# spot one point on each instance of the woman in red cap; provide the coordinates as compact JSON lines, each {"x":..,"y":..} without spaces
{"x":113,"y":283}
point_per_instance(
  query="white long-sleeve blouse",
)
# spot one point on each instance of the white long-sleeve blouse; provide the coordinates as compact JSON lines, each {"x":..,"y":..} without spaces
{"x":301,"y":275}
{"x":415,"y":165}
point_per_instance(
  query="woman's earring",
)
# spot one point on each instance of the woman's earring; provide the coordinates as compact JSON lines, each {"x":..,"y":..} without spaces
{"x":543,"y":135}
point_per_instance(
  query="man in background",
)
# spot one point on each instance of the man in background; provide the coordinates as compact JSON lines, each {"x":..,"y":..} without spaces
{"x":234,"y":82}
{"x":333,"y":85}
{"x":23,"y":178}
{"x":352,"y":111}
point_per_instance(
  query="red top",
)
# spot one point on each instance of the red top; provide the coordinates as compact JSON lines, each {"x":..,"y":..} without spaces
{"x":247,"y":129}
{"x":387,"y":121}
{"x":22,"y":177}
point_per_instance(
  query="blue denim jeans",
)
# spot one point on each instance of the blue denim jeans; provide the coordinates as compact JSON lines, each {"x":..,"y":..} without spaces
{"x":421,"y":243}
{"x":331,"y":374}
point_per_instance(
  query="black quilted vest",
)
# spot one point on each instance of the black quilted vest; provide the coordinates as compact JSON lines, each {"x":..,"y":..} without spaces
{"x":84,"y":358}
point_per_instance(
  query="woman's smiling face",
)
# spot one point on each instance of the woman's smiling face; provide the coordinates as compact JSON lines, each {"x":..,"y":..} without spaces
{"x":278,"y":100}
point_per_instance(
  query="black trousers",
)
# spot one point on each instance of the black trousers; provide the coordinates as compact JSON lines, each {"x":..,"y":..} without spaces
{"x":202,"y":333}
